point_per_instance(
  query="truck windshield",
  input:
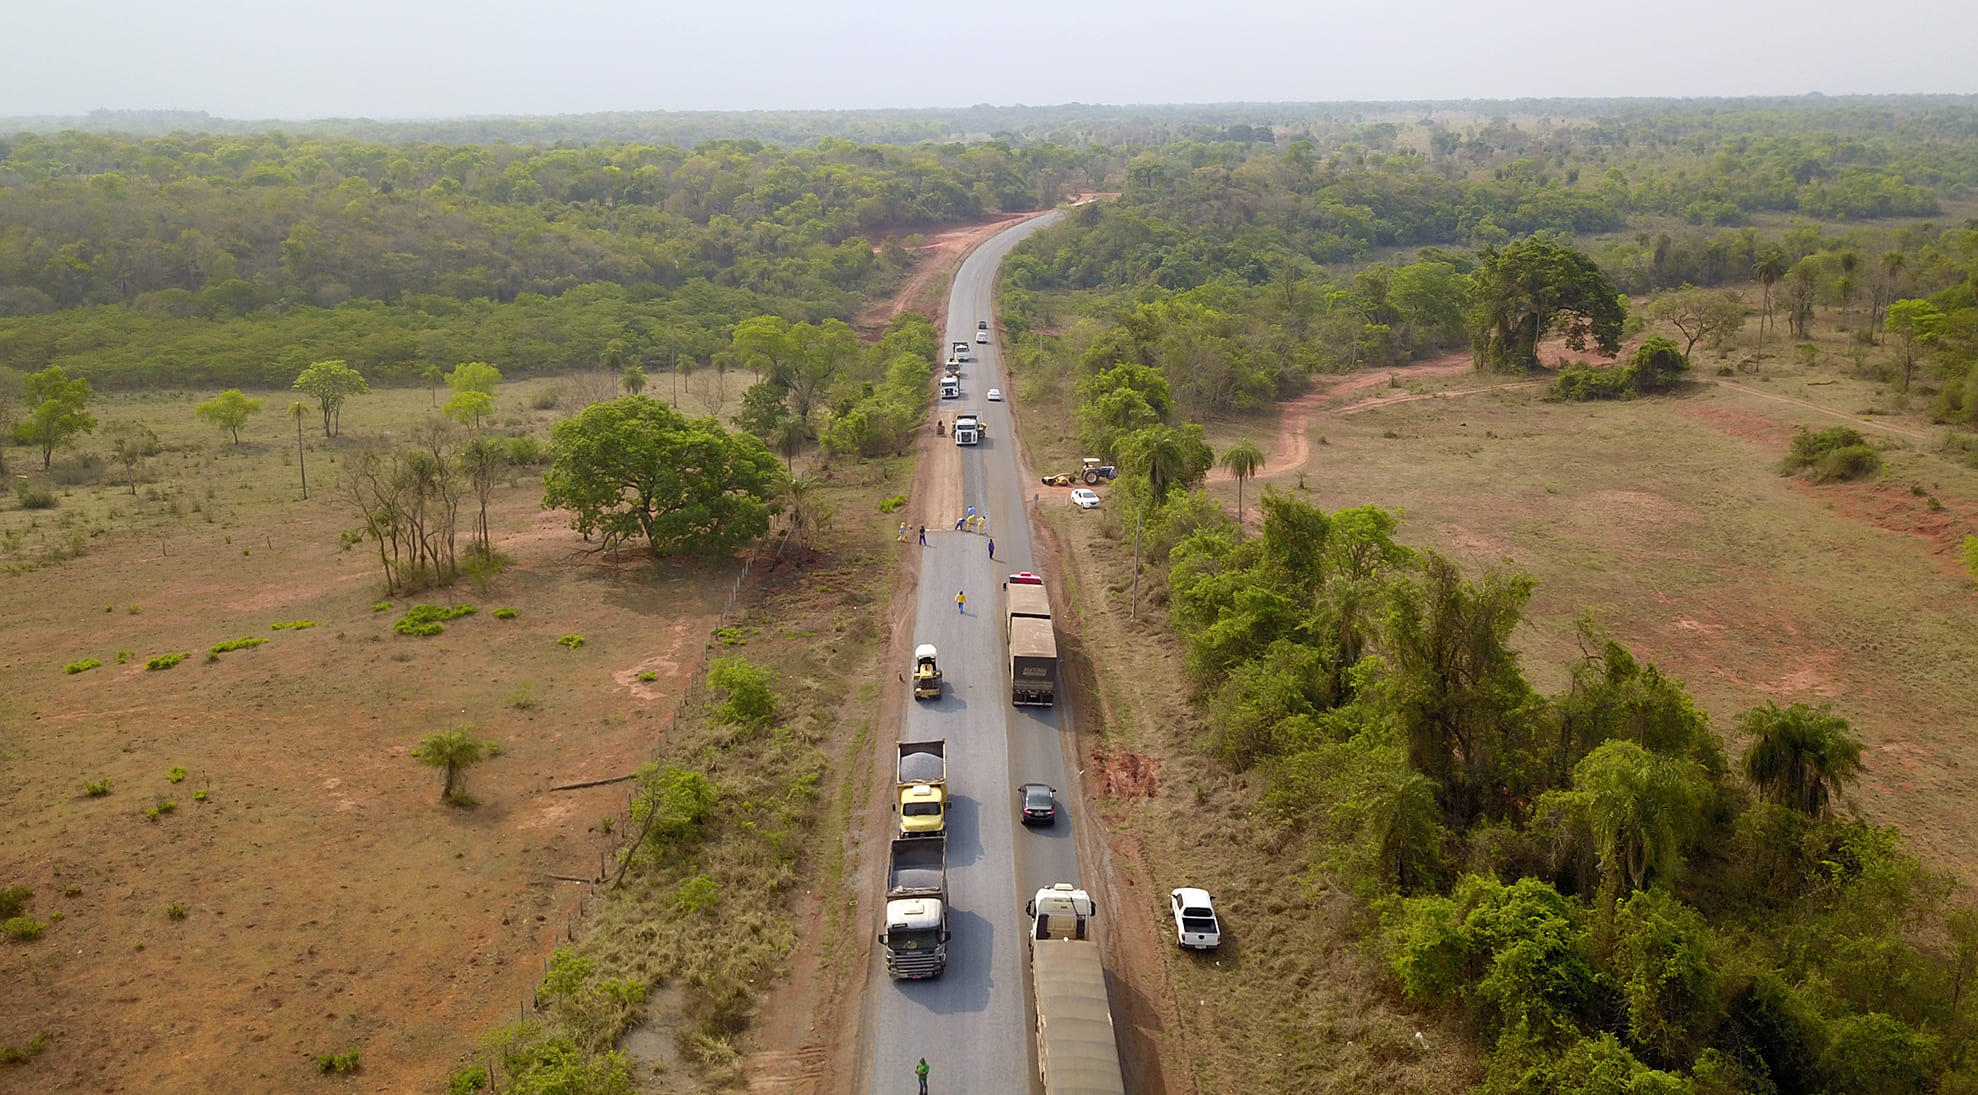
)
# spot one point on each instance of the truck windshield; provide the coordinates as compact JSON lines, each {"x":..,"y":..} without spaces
{"x":921,"y":809}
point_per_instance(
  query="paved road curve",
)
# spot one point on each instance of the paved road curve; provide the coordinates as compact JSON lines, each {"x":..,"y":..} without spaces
{"x":973,"y":1023}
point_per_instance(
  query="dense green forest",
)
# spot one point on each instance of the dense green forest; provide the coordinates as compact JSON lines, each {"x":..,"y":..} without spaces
{"x":200,"y":259}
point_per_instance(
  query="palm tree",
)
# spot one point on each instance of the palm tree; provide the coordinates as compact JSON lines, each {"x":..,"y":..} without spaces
{"x":452,"y":752}
{"x":1160,"y":450}
{"x":634,"y":379}
{"x":809,"y":514}
{"x":1770,"y":267}
{"x":1242,"y":461}
{"x":1640,"y":807}
{"x":787,"y":439}
{"x":1800,"y":756}
{"x":296,"y":410}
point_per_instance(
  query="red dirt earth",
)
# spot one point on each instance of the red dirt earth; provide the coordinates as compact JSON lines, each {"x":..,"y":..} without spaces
{"x":330,"y":902}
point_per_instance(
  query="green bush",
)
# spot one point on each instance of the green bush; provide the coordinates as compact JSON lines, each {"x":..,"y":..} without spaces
{"x":1831,"y":455}
{"x":1582,"y":383}
{"x":571,"y":641}
{"x":199,"y":795}
{"x":176,"y":774}
{"x":748,"y":701}
{"x":234,"y":644}
{"x":505,"y":614}
{"x":14,"y":1055}
{"x":97,"y":788}
{"x":337,"y":1062}
{"x":36,"y":498}
{"x":1850,"y":462}
{"x":81,"y":666}
{"x":893,"y":503}
{"x":467,"y":1081}
{"x":166,"y":661}
{"x":648,"y":676}
{"x":175,"y":911}
{"x":293,"y":625}
{"x":13,"y":901}
{"x":382,"y":606}
{"x":21,"y":929}
{"x":527,"y":452}
{"x":125,"y":655}
{"x":426,"y":619}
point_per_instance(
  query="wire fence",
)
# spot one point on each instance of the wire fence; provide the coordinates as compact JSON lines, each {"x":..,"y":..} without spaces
{"x":616,"y":840}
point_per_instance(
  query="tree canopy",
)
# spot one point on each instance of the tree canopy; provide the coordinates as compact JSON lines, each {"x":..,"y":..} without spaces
{"x":1533,"y":288}
{"x":634,"y":468}
{"x":332,"y":383}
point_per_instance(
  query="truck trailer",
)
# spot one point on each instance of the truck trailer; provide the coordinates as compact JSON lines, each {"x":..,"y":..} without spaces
{"x":923,"y":789}
{"x":1076,"y":1050}
{"x":1033,"y":643}
{"x":916,"y":935}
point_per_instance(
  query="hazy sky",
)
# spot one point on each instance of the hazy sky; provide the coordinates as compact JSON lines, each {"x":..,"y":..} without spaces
{"x":428,"y":58}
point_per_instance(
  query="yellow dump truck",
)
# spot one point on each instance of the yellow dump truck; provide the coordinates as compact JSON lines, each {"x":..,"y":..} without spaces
{"x":923,"y":783}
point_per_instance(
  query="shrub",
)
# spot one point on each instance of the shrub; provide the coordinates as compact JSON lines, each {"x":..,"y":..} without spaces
{"x":1809,"y":449}
{"x":199,"y":795}
{"x":166,"y":661}
{"x":1851,"y":462}
{"x":97,"y":788}
{"x":176,"y":775}
{"x":81,"y":666}
{"x":1582,"y":383}
{"x":695,"y":895}
{"x":426,"y":619}
{"x":234,"y":644}
{"x":21,"y":929}
{"x":731,"y":636}
{"x":14,"y":1055}
{"x":467,"y":1081}
{"x":125,"y":655}
{"x":523,"y":698}
{"x":36,"y":498}
{"x":175,"y":911}
{"x":293,"y":625}
{"x":571,"y":641}
{"x":893,"y":503}
{"x":13,"y":901}
{"x":337,"y":1062}
{"x":505,"y":614}
{"x":749,"y":703}
{"x":527,"y":452}
{"x":166,"y":806}
{"x":382,"y":606}
{"x":648,"y":676}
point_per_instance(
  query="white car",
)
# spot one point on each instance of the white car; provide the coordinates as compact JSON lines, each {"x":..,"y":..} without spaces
{"x":995,"y":395}
{"x":1085,"y":499}
{"x":982,"y":336}
{"x":1195,"y":923}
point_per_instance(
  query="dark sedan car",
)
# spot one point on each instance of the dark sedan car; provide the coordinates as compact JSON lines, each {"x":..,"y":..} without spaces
{"x":1039,"y":808}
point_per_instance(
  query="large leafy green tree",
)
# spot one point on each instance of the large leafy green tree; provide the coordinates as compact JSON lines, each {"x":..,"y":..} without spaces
{"x":1533,"y":288}
{"x":228,"y":411}
{"x":1799,"y":756}
{"x":635,"y":467}
{"x":57,"y":411}
{"x":331,"y":382}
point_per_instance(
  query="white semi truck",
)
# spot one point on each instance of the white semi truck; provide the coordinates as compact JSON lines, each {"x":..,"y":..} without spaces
{"x":916,"y":935}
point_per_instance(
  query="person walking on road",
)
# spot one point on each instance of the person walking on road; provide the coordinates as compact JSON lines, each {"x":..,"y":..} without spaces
{"x":920,"y":1073}
{"x":923,"y":536}
{"x":961,"y":602}
{"x":992,"y":547}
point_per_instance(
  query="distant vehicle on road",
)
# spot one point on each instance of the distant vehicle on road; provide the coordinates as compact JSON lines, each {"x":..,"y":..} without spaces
{"x":981,"y":324}
{"x":1195,"y":923}
{"x":1085,"y":499}
{"x":982,"y":336}
{"x":1039,"y":807}
{"x":995,"y":395}
{"x":961,"y":350}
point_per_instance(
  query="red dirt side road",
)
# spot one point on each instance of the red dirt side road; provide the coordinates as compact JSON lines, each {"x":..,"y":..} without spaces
{"x":936,"y":260}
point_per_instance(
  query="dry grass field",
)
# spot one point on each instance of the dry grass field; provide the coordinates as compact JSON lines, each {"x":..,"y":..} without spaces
{"x":1665,"y":518}
{"x":306,"y":893}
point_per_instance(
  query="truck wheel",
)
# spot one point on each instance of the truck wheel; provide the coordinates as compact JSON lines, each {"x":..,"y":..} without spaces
{"x":1091,"y":478}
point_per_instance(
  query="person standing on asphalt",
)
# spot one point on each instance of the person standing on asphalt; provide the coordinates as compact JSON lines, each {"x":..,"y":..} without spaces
{"x":923,"y":536}
{"x":920,"y":1072}
{"x":992,"y":547}
{"x":961,"y":600}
